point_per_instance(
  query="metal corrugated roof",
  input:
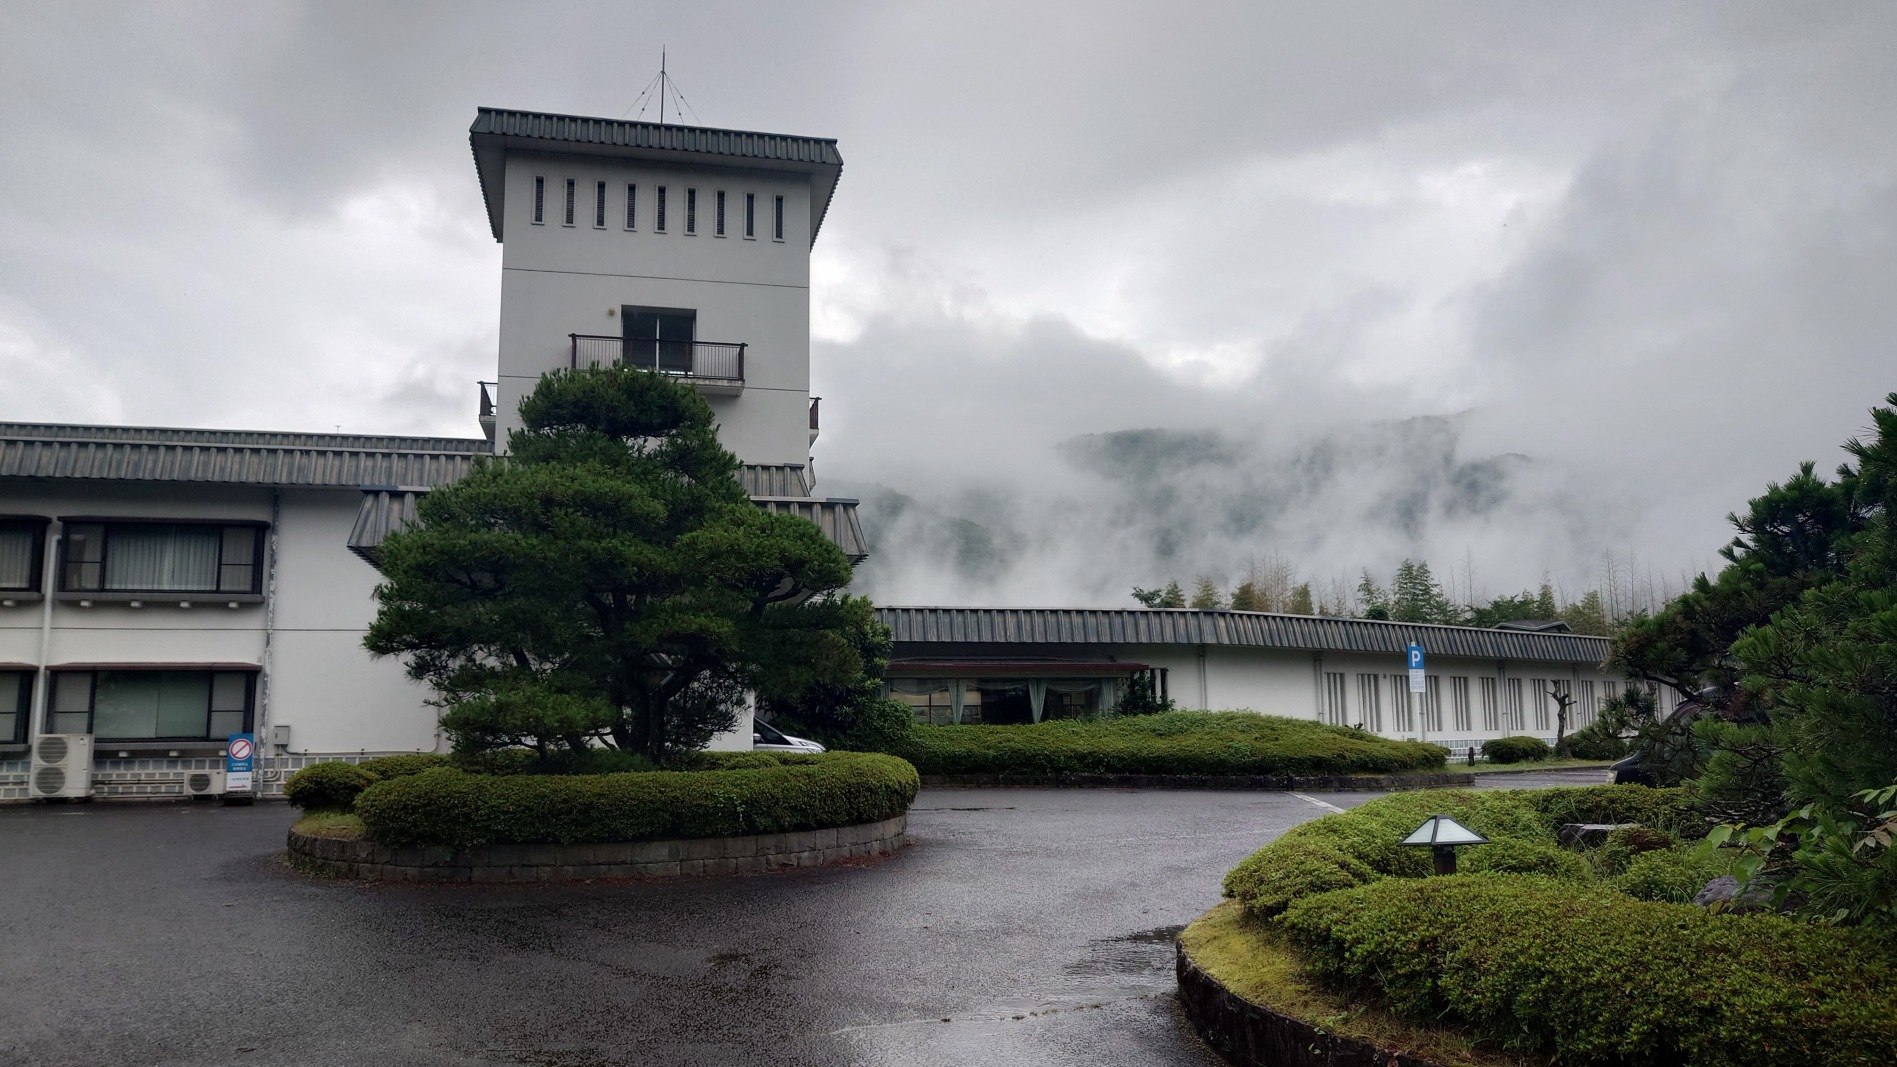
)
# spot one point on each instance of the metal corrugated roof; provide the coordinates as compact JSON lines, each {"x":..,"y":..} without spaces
{"x":495,"y":130}
{"x":1148,"y":626}
{"x":774,"y":479}
{"x":835,"y":517}
{"x":383,"y":511}
{"x":241,"y":457}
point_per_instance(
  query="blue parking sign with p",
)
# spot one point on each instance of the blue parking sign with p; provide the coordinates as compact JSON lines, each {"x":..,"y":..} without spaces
{"x":1416,"y":656}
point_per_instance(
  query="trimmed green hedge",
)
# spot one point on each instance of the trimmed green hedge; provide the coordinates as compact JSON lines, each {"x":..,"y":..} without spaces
{"x":1521,"y":749}
{"x":331,"y":786}
{"x":1591,"y":976}
{"x":406,"y":763}
{"x":774,"y":794}
{"x":1359,"y":846}
{"x":1181,"y":742}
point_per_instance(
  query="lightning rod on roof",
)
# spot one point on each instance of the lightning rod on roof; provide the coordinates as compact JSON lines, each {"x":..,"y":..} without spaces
{"x":660,"y":87}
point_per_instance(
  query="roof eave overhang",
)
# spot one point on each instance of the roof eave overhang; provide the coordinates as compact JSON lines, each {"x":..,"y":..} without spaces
{"x":490,"y":166}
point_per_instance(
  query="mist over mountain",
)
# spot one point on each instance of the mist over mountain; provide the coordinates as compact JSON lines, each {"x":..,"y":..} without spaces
{"x":1103,"y":512}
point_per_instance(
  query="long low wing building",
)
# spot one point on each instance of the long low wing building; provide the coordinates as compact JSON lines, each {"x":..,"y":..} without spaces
{"x":1007,"y":665}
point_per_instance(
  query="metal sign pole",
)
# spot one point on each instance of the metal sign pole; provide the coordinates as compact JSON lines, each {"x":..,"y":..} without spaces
{"x":1417,"y":686}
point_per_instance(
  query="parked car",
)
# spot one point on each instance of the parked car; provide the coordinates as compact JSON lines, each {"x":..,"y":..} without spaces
{"x":768,"y":738}
{"x":1629,"y":771}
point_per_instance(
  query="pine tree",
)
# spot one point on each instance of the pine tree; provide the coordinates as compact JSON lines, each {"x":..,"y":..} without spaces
{"x":1301,"y":601}
{"x":1206,"y":595}
{"x":1587,"y":615}
{"x":1415,"y":596}
{"x":1372,"y":601}
{"x":609,"y":582}
{"x":1245,"y":598}
{"x":1545,"y":606}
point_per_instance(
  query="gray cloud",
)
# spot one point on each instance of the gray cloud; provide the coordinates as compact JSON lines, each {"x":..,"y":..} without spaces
{"x":1649,"y":250}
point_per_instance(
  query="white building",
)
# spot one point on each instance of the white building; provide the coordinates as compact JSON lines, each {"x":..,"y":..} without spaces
{"x":1027,"y":664}
{"x":162,"y":589}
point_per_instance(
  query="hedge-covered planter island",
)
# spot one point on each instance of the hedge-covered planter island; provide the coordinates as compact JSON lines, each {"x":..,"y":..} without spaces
{"x":1196,"y":749}
{"x":427,"y":820}
{"x":1338,"y":948}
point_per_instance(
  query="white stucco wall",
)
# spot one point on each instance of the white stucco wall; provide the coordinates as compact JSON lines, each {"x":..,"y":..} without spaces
{"x":320,"y":681}
{"x":559,"y":280}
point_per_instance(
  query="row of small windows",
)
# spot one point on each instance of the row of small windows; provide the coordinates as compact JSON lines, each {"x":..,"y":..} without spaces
{"x":133,"y":705}
{"x":136,"y":557}
{"x":601,"y":191}
{"x":1503,"y":702}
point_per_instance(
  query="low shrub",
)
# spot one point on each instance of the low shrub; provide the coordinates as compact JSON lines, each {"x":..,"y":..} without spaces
{"x":1584,"y":974}
{"x":1625,"y":842}
{"x":1595,"y":741}
{"x":1671,"y":875}
{"x":1361,"y":845}
{"x":331,"y":786}
{"x":386,"y":767}
{"x":1516,"y":750}
{"x":447,"y":806}
{"x":1180,"y":742}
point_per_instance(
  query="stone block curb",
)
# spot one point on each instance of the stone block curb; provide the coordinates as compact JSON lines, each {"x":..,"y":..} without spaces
{"x":532,"y":863}
{"x":1317,"y":783}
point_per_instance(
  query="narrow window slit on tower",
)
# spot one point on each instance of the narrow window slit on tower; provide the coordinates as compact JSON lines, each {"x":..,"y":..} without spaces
{"x":599,"y":206}
{"x":691,"y":211}
{"x":569,"y":201}
{"x":632,"y":206}
{"x":750,"y":214}
{"x":540,"y":199}
{"x":658,"y":220}
{"x":718,"y":220}
{"x":777,"y":219}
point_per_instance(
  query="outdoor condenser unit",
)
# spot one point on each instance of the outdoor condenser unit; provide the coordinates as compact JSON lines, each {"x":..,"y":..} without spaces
{"x":62,"y":766}
{"x":204,"y":783}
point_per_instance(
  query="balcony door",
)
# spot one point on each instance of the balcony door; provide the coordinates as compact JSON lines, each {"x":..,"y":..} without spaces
{"x":660,"y":338}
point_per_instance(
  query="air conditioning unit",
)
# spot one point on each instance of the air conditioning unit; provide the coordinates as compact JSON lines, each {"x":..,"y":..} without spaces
{"x":204,"y":783}
{"x":62,"y":766}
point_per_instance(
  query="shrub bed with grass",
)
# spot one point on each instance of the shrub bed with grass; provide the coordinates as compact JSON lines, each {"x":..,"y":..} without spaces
{"x":1516,"y":750}
{"x":1175,"y":743}
{"x":1577,"y":957}
{"x":745,"y":793}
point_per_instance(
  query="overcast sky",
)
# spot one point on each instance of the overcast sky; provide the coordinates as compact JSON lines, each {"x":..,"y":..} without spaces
{"x":1649,"y":246}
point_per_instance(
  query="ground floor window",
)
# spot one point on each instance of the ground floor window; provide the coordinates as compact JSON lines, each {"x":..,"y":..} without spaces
{"x":16,"y":703}
{"x":1336,"y":708}
{"x":1459,"y":700}
{"x":153,"y":705}
{"x":1005,"y":701}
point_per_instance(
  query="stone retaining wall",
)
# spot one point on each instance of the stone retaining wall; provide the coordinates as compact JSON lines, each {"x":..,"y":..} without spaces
{"x":1301,"y":783}
{"x":342,"y":858}
{"x":1249,"y":1035}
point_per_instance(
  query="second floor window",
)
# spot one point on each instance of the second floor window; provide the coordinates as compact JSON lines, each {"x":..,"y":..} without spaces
{"x":20,"y":543}
{"x":632,"y":206}
{"x":160,"y":557}
{"x":540,"y":199}
{"x":569,"y":201}
{"x":718,"y":217}
{"x":691,"y":211}
{"x":750,"y":214}
{"x":599,"y":206}
{"x":658,"y":218}
{"x":777,"y":218}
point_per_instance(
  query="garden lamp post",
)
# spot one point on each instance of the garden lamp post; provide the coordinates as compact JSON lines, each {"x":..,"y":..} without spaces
{"x":1442,"y":835}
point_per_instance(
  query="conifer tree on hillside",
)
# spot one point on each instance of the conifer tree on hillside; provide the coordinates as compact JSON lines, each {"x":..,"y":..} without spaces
{"x":1301,"y":603}
{"x":1245,"y":598}
{"x":1206,"y":595}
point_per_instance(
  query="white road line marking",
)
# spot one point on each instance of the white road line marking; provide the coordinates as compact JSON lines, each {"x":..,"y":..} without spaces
{"x":1325,"y":804}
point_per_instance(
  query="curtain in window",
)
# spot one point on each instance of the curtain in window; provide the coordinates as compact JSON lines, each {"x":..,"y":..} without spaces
{"x":129,"y":705}
{"x":163,"y":558}
{"x":16,"y":556}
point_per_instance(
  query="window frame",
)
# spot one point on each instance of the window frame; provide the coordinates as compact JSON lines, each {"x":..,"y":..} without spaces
{"x":599,"y":204}
{"x":572,"y":194}
{"x":632,"y":207}
{"x":658,"y":210}
{"x":718,"y":213}
{"x":24,"y":709}
{"x":258,"y":553}
{"x":249,"y":712}
{"x":750,"y":216}
{"x":691,"y":211}
{"x":777,"y":217}
{"x":36,"y":565}
{"x":540,"y":200}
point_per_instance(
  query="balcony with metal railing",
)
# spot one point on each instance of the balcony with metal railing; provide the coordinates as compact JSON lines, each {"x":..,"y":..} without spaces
{"x":716,"y":367}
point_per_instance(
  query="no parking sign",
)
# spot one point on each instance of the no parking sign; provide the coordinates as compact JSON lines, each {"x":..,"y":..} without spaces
{"x":239,"y":756}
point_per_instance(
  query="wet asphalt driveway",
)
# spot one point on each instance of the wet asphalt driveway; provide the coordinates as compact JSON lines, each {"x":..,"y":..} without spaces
{"x":1023,"y":927}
